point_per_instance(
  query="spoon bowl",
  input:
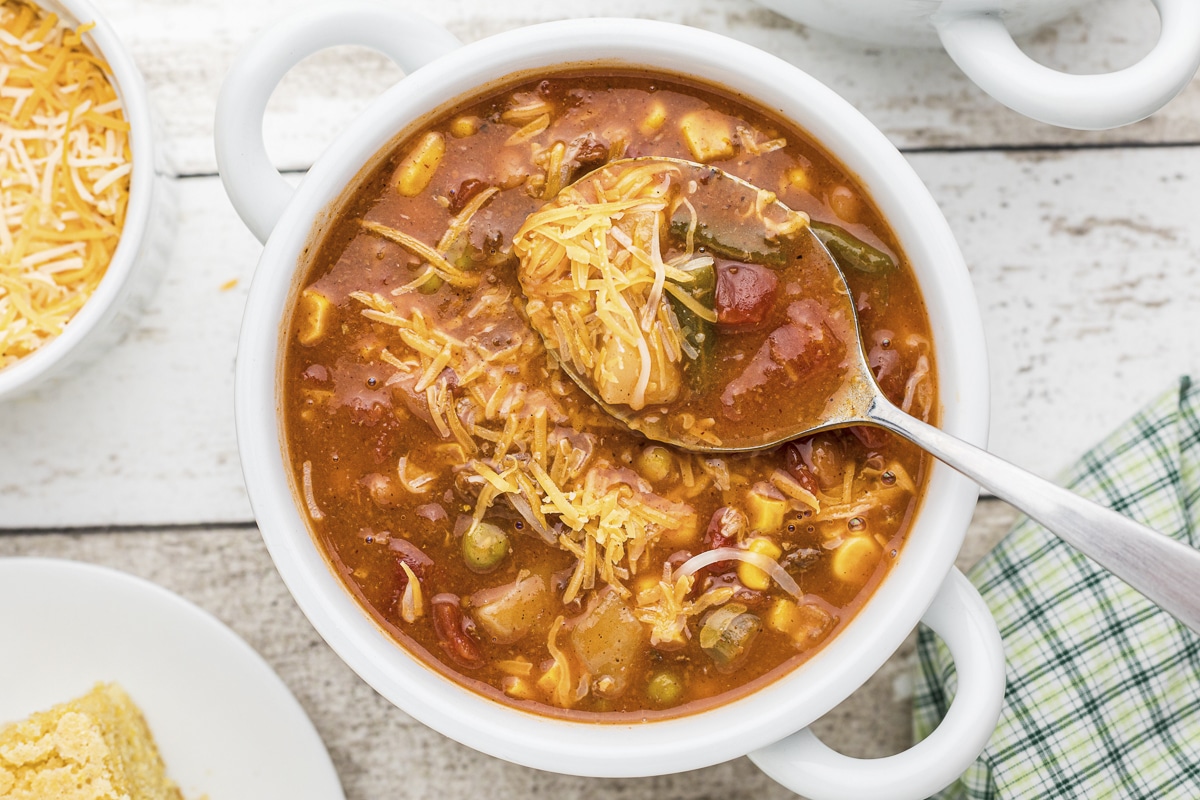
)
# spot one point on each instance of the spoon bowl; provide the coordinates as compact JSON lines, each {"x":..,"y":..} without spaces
{"x":827,"y":383}
{"x":708,"y":214}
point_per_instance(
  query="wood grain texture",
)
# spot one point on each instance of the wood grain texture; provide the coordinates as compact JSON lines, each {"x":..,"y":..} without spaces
{"x":145,"y":434}
{"x":1086,"y":266}
{"x":916,"y":96}
{"x":381,"y":752}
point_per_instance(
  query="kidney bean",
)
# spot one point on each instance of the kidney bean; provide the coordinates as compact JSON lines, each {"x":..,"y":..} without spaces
{"x":409,"y":553}
{"x":464,"y":193}
{"x":745,"y":293}
{"x":448,"y":625}
{"x":822,"y":455}
{"x":587,"y":152}
{"x":724,"y":528}
{"x":797,"y":467}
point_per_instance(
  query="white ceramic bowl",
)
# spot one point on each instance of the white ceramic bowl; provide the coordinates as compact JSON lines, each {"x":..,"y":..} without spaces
{"x":145,"y":239}
{"x":922,"y":582}
{"x":978,"y":36}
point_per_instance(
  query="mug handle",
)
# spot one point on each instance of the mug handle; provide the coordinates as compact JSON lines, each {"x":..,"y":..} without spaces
{"x":258,"y":192}
{"x":984,"y":49}
{"x":807,"y":766}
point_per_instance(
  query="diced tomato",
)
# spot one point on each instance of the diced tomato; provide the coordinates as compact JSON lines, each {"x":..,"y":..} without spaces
{"x":887,"y":364}
{"x":448,"y":625}
{"x":745,"y":293}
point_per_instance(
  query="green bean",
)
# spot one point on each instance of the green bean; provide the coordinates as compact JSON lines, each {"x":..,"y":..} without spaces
{"x":484,"y":546}
{"x":699,"y":334}
{"x":743,"y":243}
{"x":851,"y":252}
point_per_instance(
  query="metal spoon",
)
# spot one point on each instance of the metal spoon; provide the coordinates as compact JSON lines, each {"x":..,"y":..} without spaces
{"x":1164,"y":570}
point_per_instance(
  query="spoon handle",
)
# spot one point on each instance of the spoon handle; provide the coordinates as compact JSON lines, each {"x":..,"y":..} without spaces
{"x":1166,"y":571}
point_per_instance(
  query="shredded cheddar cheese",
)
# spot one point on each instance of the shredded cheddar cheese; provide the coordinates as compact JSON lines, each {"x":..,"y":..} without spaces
{"x":65,"y":168}
{"x":607,"y":517}
{"x":592,"y":269}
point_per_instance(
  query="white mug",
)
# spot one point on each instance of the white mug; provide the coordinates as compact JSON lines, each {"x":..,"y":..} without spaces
{"x":769,"y":724}
{"x":977,"y":34}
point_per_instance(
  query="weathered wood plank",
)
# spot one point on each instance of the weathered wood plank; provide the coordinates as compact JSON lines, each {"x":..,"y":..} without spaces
{"x":1088,"y":291}
{"x":1086,"y":266}
{"x":381,"y":752}
{"x":145,"y":434}
{"x":917,"y":96}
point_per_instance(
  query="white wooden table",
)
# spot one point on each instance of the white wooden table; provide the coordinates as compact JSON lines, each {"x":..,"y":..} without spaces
{"x":1083,"y":247}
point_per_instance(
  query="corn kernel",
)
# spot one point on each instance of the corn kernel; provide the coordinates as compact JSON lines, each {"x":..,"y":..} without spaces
{"x":462,"y":127}
{"x":854,"y":559}
{"x":766,"y":513}
{"x":417,"y":169}
{"x":783,"y":617}
{"x":751,"y":576}
{"x":708,"y":135}
{"x":806,"y":625}
{"x":654,"y":120}
{"x":313,"y":315}
{"x":798,"y":178}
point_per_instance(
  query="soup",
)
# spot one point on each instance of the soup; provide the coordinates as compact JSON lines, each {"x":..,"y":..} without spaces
{"x":488,"y":514}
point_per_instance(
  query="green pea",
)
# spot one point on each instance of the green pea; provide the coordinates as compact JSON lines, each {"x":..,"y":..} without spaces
{"x":484,"y":547}
{"x":665,"y":689}
{"x":655,"y":463}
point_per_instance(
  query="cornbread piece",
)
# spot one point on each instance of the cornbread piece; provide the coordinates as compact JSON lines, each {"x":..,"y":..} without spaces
{"x":96,"y":747}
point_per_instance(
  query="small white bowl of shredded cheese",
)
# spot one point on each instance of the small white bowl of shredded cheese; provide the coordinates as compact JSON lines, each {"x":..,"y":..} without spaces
{"x":79,"y":190}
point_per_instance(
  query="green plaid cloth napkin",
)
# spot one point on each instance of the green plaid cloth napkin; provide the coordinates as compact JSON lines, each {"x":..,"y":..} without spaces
{"x":1103,"y":697}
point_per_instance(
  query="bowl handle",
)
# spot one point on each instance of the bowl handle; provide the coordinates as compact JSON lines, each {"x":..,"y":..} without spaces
{"x":257,"y":190}
{"x":804,"y":764}
{"x":984,"y":49}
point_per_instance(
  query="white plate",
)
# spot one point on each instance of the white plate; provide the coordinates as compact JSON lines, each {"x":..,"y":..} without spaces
{"x":227,"y":726}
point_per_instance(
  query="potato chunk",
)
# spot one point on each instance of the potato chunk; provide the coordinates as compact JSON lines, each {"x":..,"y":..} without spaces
{"x":314,"y":312}
{"x":608,"y":641}
{"x":654,"y":119}
{"x":417,"y":169}
{"x":507,"y":613}
{"x":708,"y":135}
{"x":766,"y":507}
